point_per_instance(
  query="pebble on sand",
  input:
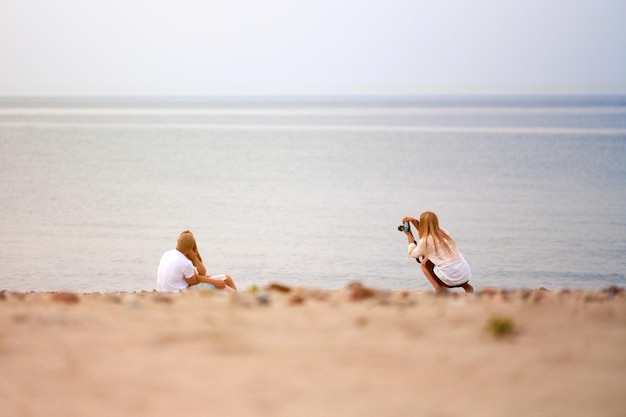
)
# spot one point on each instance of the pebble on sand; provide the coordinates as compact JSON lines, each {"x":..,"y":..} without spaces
{"x":66,"y":297}
{"x":359,"y":292}
{"x":278,"y":287}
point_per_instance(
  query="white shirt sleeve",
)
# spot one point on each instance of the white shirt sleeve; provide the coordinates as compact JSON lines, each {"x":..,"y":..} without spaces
{"x":416,"y":250}
{"x":189,"y":270}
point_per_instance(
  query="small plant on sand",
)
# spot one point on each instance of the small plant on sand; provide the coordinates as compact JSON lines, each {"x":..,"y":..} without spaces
{"x":500,"y":327}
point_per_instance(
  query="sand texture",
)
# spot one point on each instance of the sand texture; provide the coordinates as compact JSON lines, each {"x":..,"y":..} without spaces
{"x":303,"y":352}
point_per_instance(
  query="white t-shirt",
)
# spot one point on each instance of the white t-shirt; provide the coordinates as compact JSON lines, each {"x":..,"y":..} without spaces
{"x":452,"y":269}
{"x":173,"y":269}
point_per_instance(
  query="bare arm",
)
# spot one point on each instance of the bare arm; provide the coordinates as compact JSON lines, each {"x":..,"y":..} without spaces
{"x":413,"y":221}
{"x":194,"y":257}
{"x":410,"y":237}
{"x":217,"y":282}
{"x":197,"y":279}
{"x":415,"y":224}
{"x":193,"y":280}
{"x":414,"y":251}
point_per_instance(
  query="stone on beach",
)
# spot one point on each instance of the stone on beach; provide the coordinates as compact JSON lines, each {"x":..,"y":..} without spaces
{"x":296,"y":299}
{"x":163,"y":299}
{"x":278,"y":287}
{"x":358,"y":291}
{"x":66,"y":297}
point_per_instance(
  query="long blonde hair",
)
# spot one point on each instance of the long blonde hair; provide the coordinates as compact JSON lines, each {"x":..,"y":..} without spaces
{"x":195,"y":246}
{"x":429,"y":226}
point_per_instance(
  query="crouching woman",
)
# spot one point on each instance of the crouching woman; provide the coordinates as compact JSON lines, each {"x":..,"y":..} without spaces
{"x":443,"y":263}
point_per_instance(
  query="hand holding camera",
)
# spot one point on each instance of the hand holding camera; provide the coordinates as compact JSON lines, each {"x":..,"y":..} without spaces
{"x":406,"y":224}
{"x":405,"y":227}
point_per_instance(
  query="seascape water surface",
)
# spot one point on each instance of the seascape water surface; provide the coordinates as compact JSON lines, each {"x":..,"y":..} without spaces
{"x":309,"y":191}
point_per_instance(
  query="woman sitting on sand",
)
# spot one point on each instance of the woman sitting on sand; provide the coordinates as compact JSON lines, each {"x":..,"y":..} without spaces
{"x":182,"y":268}
{"x":443,"y":263}
{"x":196,"y":260}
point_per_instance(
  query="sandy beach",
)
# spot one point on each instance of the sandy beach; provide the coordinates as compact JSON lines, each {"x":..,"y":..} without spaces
{"x":284,"y":351}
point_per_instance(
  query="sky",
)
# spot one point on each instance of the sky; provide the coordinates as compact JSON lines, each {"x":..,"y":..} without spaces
{"x":311,"y":47}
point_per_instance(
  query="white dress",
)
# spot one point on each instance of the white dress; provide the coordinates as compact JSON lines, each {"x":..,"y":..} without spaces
{"x":452,"y":269}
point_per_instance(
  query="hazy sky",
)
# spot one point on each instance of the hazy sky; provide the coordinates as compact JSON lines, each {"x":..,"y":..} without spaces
{"x":207,"y":47}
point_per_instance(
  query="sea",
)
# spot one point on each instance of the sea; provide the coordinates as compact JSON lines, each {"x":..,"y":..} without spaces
{"x":309,"y":191}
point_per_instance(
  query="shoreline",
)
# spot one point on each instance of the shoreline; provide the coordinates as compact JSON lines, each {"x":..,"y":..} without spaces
{"x":310,"y":352}
{"x":488,"y":289}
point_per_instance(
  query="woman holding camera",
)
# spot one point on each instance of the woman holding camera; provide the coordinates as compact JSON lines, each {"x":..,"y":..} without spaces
{"x":443,"y":263}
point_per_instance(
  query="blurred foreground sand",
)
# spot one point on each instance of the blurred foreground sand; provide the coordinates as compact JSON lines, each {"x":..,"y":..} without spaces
{"x":313,"y":353}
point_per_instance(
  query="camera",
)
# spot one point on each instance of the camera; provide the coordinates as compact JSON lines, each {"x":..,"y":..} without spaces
{"x":405,"y":227}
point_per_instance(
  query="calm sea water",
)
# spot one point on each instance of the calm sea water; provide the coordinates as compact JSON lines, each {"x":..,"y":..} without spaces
{"x":309,"y":191}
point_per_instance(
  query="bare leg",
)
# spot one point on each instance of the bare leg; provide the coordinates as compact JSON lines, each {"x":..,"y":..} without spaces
{"x":427,"y":268}
{"x":229,"y":282}
{"x":467,"y":287}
